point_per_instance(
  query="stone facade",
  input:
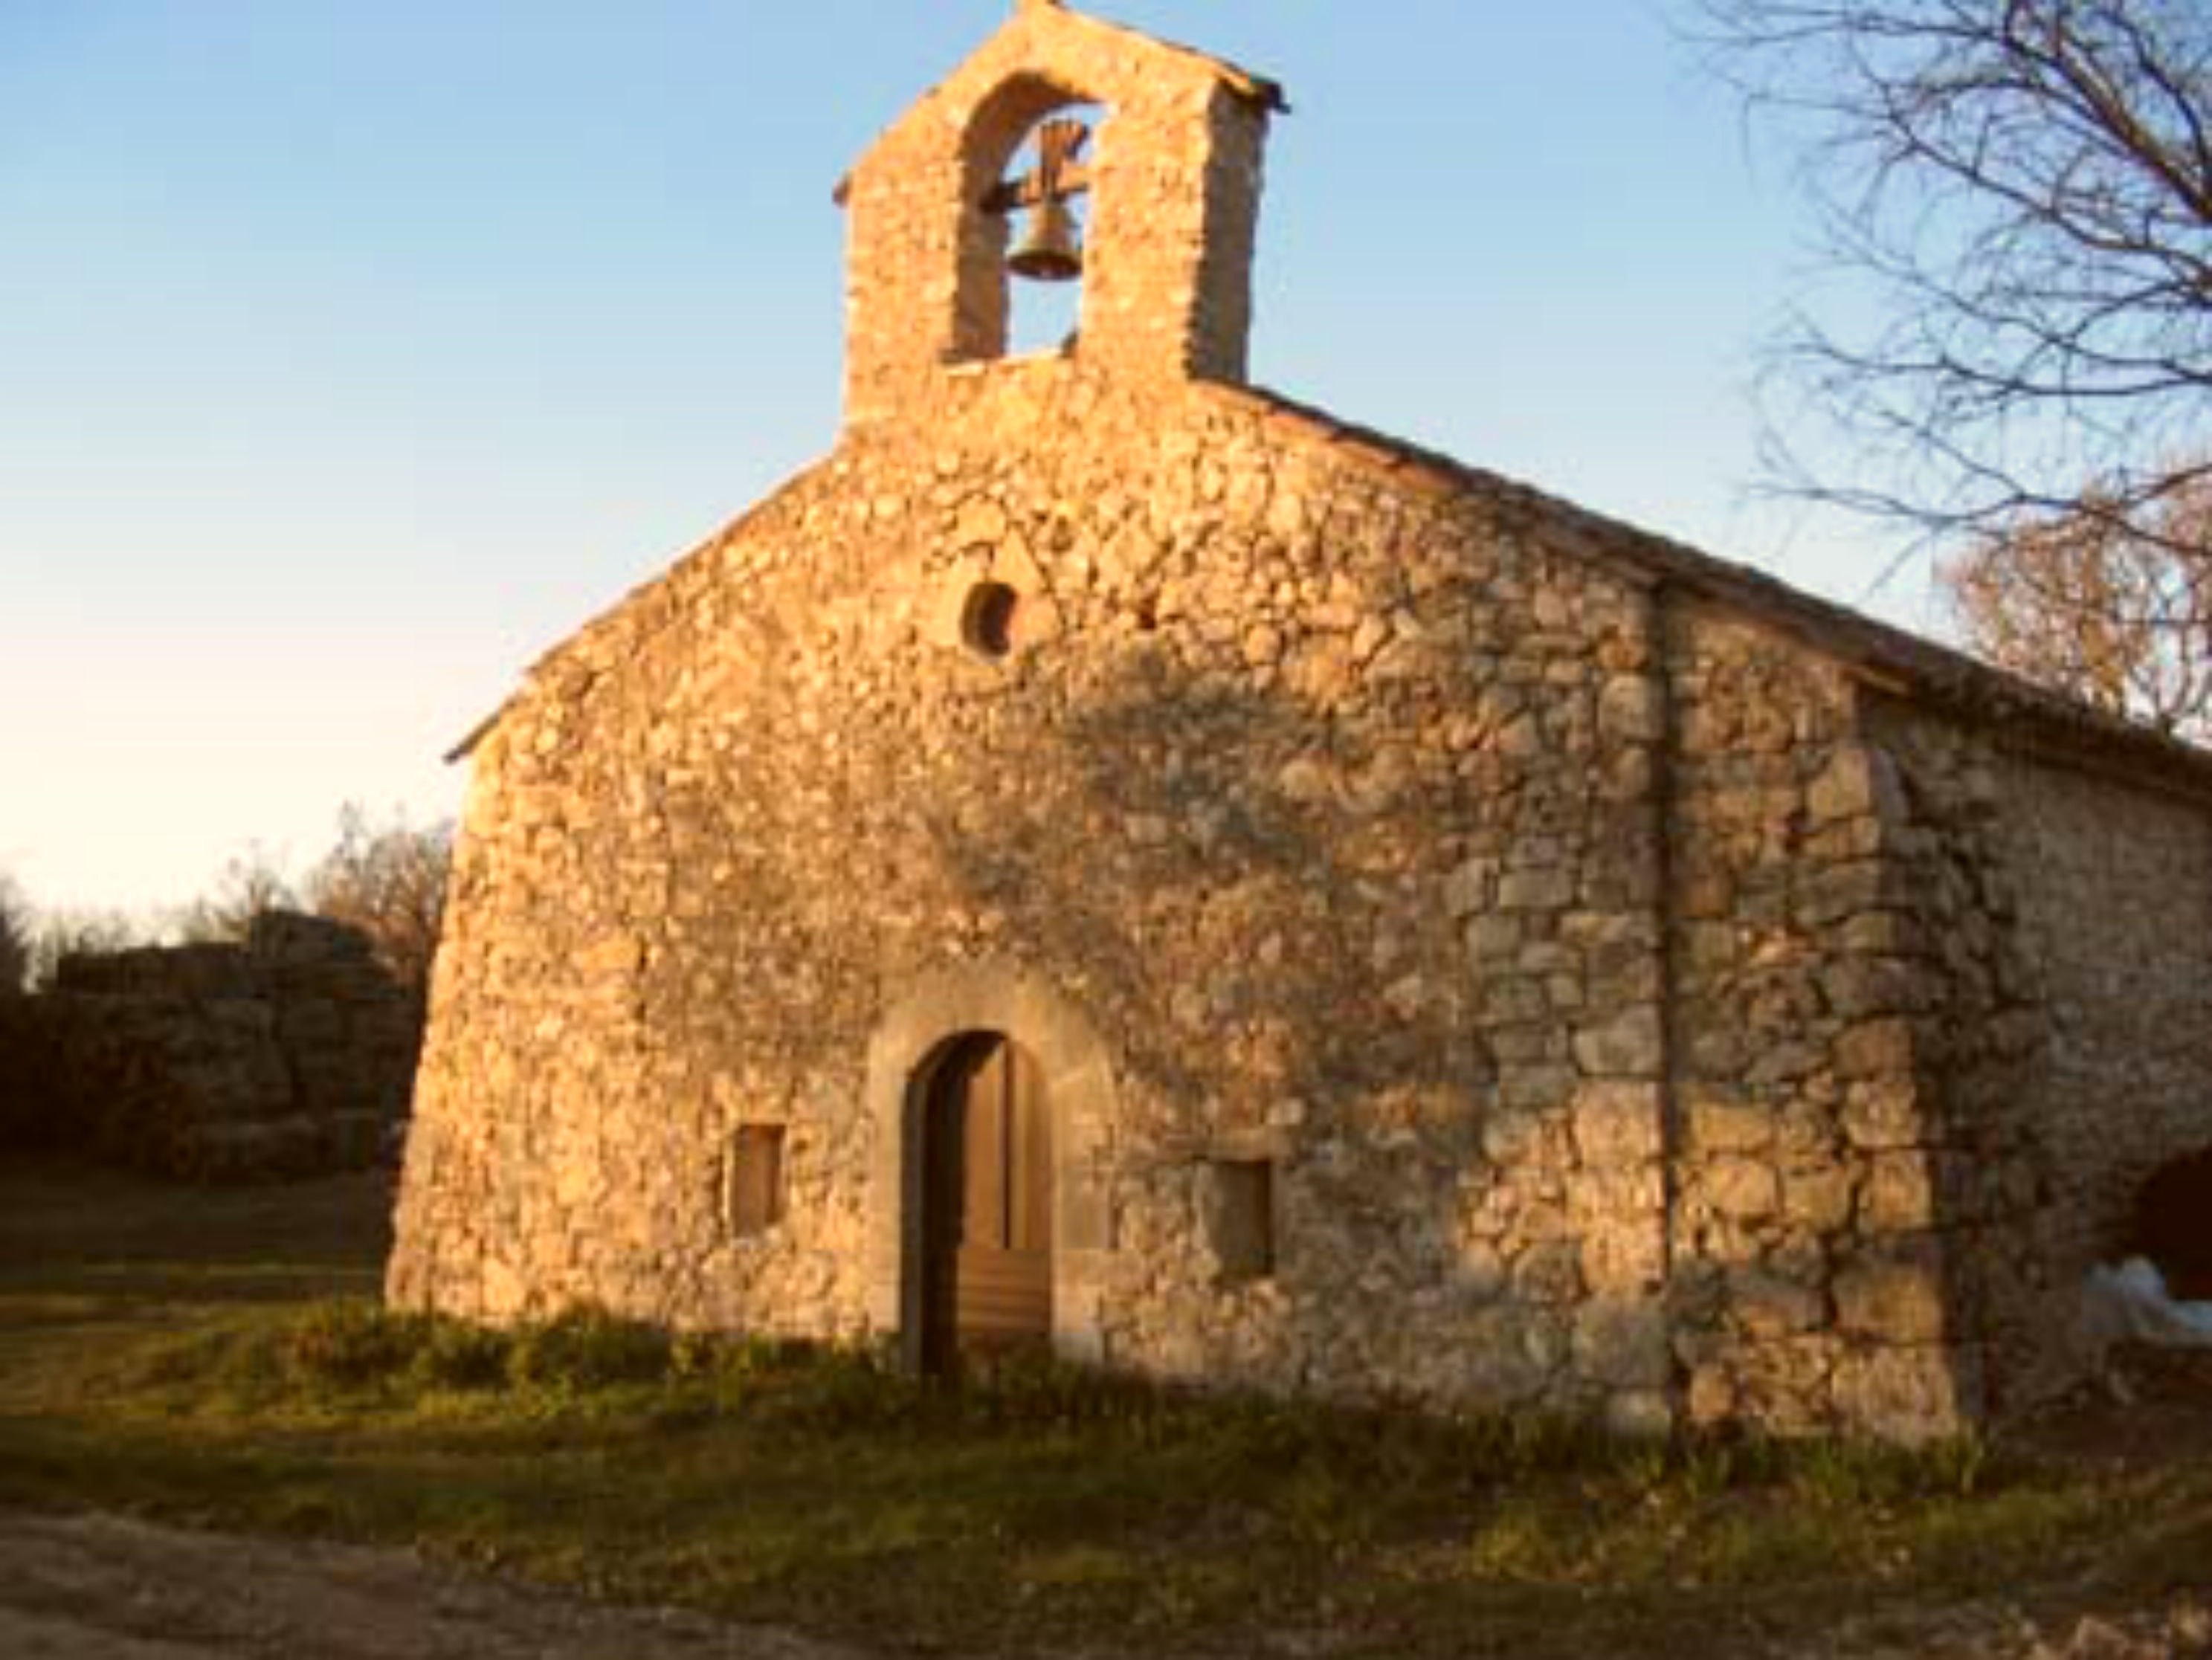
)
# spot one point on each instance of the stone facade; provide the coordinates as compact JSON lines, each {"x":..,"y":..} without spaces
{"x":2064,"y":903}
{"x":1649,"y":992}
{"x":286,"y":1055}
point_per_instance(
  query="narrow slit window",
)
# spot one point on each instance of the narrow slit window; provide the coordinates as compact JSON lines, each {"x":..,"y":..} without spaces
{"x":752,"y":1184}
{"x":1244,"y":1218}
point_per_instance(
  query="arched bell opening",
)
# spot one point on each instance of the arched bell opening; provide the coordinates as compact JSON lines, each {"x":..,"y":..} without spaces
{"x":984,"y":1129}
{"x":1026,"y":218}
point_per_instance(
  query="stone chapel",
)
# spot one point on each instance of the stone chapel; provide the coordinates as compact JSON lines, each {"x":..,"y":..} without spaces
{"x":1114,"y":859}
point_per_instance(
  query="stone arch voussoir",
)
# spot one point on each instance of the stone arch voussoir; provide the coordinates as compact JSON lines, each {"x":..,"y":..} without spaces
{"x":1079,"y":1083}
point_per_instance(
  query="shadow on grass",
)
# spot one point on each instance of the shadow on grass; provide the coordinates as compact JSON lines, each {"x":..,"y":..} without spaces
{"x":58,"y":1217}
{"x":108,"y":1290}
{"x":1004,"y":1541}
{"x":1034,"y":1510}
{"x":207,"y":1381}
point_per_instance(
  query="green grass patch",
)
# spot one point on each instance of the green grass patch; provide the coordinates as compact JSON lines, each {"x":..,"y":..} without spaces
{"x":1036,"y":1509}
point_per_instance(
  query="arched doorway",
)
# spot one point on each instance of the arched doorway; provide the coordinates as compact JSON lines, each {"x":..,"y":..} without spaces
{"x":925,"y":1024}
{"x":987,"y":1233}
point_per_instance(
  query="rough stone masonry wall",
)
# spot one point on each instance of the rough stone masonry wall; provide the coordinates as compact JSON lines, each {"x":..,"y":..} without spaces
{"x":1369,"y":815}
{"x":2115,"y":900}
{"x":1322,"y":789}
{"x":1371,"y":819}
{"x":288,"y":1054}
{"x":1808,"y":1283}
{"x":2068,"y":915}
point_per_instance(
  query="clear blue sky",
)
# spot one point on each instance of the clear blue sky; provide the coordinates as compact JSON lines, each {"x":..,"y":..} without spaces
{"x":350,"y":354}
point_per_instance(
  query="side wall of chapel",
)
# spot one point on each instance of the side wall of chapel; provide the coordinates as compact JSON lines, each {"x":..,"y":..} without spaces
{"x":2063,"y":932}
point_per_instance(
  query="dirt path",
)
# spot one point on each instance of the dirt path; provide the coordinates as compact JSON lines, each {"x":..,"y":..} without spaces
{"x":100,"y":1588}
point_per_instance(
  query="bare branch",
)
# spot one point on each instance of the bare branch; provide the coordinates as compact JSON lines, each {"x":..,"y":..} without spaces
{"x":2026,"y":187}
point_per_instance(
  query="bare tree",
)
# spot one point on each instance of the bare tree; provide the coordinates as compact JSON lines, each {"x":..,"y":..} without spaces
{"x":2028,"y":186}
{"x":388,"y":878}
{"x":250,"y":884}
{"x":2098,"y":604}
{"x":75,"y":933}
{"x":15,"y":935}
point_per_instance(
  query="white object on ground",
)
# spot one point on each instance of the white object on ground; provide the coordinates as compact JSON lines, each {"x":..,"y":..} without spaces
{"x":2130,"y":1304}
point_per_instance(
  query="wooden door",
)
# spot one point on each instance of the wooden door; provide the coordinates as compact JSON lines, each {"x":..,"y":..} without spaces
{"x":987,"y":1221}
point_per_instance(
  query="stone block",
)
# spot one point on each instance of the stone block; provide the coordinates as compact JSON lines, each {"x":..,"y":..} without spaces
{"x":1631,"y":1197}
{"x":1536,"y":890}
{"x":1835,"y":892}
{"x":1632,"y":1045}
{"x":1900,"y":1193}
{"x":1721,"y":1125}
{"x":1710,"y":1398}
{"x":1857,"y":987}
{"x":1819,"y":1200}
{"x":1536,"y":1087}
{"x":1911,"y":1395}
{"x":1549,"y":1275}
{"x":1469,"y":890}
{"x":1493,"y":938}
{"x":1640,"y":1415}
{"x":611,"y":959}
{"x":1624,"y":1256}
{"x":1876,"y":1049}
{"x":1742,"y":1189}
{"x":1506,"y":1359}
{"x":1509,"y":1000}
{"x":1882,"y":1116}
{"x":1481,"y":1274}
{"x":1896,"y":1302}
{"x":1880,"y":933}
{"x":1617,"y":1122}
{"x":1856,"y":782}
{"x":1624,"y":1345}
{"x":1768,"y":1305}
{"x":1632,"y":709}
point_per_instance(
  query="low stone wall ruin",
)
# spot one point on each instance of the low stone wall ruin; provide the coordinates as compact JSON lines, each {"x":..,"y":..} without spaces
{"x":290,"y":1054}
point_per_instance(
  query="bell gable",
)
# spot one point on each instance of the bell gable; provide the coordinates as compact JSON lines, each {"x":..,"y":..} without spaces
{"x":1172,"y":173}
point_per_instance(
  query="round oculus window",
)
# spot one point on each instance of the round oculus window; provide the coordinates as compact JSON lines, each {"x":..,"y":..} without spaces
{"x":990,"y":619}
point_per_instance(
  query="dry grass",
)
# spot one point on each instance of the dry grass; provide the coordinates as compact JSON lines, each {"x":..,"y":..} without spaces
{"x":211,"y":1357}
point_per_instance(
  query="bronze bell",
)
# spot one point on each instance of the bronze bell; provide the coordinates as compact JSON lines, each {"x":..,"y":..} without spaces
{"x":1051,"y":252}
